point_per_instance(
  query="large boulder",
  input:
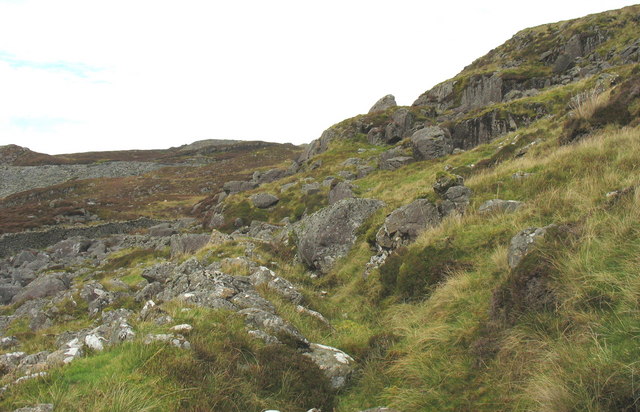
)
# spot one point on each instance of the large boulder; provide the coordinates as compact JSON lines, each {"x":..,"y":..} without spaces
{"x":336,"y":365}
{"x":42,"y":287}
{"x":431,"y":143}
{"x":383,"y":104}
{"x":264,"y":200}
{"x":329,"y":233}
{"x":404,"y":224}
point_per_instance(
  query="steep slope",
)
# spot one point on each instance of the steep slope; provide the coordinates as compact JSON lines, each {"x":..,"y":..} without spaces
{"x":475,"y":251}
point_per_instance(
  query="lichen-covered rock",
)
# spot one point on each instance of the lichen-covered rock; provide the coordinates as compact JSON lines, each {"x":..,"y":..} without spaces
{"x":264,"y":200}
{"x":431,"y":143}
{"x":499,"y":206}
{"x":329,"y":233}
{"x":383,"y":104}
{"x":404,"y":224}
{"x":334,"y":363}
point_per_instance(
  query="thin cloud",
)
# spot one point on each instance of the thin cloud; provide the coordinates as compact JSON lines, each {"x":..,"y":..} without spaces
{"x":77,"y":69}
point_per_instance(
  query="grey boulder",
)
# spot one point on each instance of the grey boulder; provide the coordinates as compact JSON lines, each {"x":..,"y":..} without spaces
{"x":264,"y":200}
{"x":431,"y":143}
{"x":329,"y":234}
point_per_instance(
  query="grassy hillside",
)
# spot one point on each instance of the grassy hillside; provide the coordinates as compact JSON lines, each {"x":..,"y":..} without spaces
{"x":445,"y":323}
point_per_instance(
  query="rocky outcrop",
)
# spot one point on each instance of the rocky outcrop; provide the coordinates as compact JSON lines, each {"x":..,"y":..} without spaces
{"x":328,"y":234}
{"x":383,"y":104}
{"x":406,"y":223}
{"x":579,"y":45}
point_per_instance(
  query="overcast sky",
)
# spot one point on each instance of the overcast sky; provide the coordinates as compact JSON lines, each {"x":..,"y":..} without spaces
{"x":87,"y":75}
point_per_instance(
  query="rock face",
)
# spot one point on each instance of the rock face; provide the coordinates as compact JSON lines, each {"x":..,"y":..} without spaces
{"x":404,"y":225}
{"x":499,"y":206}
{"x":264,"y":200}
{"x":334,"y":363}
{"x":430,"y":143}
{"x":523,"y":242}
{"x":384,"y":103}
{"x":329,"y":233}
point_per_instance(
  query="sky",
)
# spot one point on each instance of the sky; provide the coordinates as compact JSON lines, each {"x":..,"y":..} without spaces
{"x":89,"y":75}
